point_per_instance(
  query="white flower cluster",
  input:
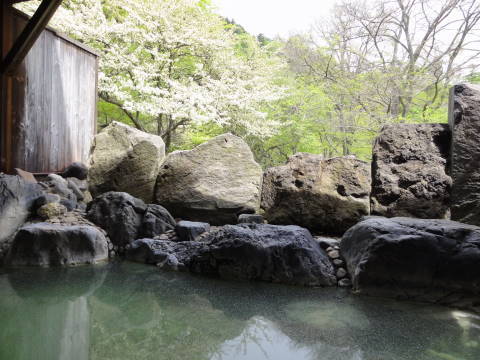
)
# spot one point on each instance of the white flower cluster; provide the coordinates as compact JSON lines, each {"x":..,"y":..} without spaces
{"x":174,"y":58}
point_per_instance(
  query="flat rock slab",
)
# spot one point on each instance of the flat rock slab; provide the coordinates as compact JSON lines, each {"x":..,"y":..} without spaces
{"x":190,"y":230}
{"x":409,"y":171}
{"x":46,"y":244}
{"x":464,"y":120}
{"x":281,"y":254}
{"x":408,"y":257}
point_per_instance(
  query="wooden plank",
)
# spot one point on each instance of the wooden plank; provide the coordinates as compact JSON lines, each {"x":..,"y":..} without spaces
{"x":29,"y":35}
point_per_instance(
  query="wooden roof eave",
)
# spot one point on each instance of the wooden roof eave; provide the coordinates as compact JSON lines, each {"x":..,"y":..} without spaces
{"x":29,"y":35}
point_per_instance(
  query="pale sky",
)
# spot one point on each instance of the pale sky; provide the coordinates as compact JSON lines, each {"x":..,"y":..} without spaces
{"x":274,"y":17}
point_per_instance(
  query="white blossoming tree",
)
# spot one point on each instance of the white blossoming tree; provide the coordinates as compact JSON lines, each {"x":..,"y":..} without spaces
{"x":170,"y":63}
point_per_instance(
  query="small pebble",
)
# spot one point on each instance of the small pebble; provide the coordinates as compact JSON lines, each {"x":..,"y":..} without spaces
{"x":329,"y":249}
{"x":345,"y":282}
{"x":341,"y":273}
{"x":338,"y":262}
{"x":333,"y":254}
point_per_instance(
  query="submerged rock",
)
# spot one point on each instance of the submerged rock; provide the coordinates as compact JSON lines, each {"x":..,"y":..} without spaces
{"x":17,"y":200}
{"x":45,"y":244}
{"x":413,"y":257}
{"x":214,"y":182}
{"x":326,"y":196}
{"x":464,"y":120}
{"x":125,"y":159}
{"x":409,"y":171}
{"x":283,"y":254}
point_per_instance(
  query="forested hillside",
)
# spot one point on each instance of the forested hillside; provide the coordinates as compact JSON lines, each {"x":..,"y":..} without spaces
{"x":177,"y":69}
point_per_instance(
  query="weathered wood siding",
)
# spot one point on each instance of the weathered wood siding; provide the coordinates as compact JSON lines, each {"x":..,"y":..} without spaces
{"x":54,"y":96}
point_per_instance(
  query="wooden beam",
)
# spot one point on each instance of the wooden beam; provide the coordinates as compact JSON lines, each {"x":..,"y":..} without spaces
{"x":29,"y":35}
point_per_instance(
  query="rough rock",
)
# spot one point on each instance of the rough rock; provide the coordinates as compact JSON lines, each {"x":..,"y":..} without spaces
{"x":47,"y":198}
{"x":190,"y":230}
{"x":325,"y":196}
{"x":409,"y":171}
{"x":283,"y":254}
{"x":251,"y":219}
{"x":125,"y":159}
{"x":51,"y":210}
{"x":17,"y":200}
{"x":156,"y":220}
{"x":424,"y":259}
{"x":76,"y":170}
{"x":464,"y":121}
{"x":151,"y":251}
{"x":126,"y":218}
{"x":119,"y":214}
{"x":45,"y":244}
{"x":55,"y":184}
{"x":214,"y":182}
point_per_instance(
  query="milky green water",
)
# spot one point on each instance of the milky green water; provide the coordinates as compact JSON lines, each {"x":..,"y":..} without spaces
{"x":128,"y":311}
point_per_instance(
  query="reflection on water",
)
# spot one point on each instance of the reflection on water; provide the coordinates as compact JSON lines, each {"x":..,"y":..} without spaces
{"x":129,"y":311}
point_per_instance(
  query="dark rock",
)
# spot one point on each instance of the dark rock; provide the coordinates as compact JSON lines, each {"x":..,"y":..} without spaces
{"x":464,"y":121}
{"x":325,"y":196}
{"x":73,"y":186}
{"x":410,"y":257}
{"x":69,"y":204}
{"x":250,"y":219}
{"x":17,"y":200}
{"x":55,"y":184}
{"x":46,"y":198}
{"x":158,"y":251}
{"x":119,"y":214}
{"x":283,"y":254}
{"x":190,"y":230}
{"x":45,"y":244}
{"x":156,"y":220}
{"x":76,"y":170}
{"x":409,"y":171}
{"x":126,"y":218}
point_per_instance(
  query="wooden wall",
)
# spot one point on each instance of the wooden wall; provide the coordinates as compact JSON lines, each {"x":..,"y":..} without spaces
{"x":49,"y":106}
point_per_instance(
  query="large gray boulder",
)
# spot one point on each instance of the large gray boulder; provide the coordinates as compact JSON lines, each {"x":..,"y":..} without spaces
{"x":44,"y":244}
{"x":281,"y":254}
{"x":125,"y":159}
{"x":214,"y":182}
{"x":17,"y":199}
{"x":409,"y":171}
{"x":428,"y":259}
{"x":126,"y":218}
{"x":464,"y":120}
{"x":326,"y":196}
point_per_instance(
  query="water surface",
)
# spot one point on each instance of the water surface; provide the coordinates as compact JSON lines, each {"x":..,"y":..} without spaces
{"x":130,"y":311}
